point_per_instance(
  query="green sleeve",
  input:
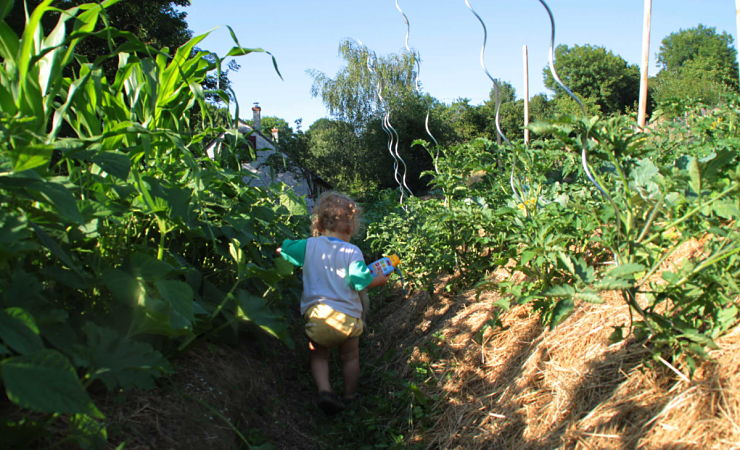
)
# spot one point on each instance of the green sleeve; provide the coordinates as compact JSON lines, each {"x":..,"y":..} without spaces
{"x":294,"y":251}
{"x":360,"y":276}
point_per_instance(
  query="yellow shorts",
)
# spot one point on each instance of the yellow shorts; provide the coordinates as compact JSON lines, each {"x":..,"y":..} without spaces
{"x":328,"y":327}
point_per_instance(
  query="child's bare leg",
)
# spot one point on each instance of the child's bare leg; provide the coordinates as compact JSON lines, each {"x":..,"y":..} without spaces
{"x":350,"y":353}
{"x":320,"y":366}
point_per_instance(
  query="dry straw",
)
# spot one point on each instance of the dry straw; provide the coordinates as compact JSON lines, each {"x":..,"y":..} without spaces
{"x":521,"y":386}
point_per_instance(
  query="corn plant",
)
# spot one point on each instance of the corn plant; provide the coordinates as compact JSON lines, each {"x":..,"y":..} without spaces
{"x":115,"y":226}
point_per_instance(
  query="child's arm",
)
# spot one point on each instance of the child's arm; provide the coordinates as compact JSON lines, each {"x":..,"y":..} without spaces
{"x":293,"y":251}
{"x":362,"y":279}
{"x":360,"y":276}
{"x":379,"y":280}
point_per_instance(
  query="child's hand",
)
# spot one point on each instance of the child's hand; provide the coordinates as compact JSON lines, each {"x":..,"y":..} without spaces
{"x":279,"y":249}
{"x":379,"y":280}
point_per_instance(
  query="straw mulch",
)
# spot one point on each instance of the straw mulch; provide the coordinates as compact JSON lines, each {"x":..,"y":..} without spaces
{"x":522,"y":386}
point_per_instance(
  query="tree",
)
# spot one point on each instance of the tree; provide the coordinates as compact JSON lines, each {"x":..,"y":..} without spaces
{"x":697,"y":65}
{"x":506,"y":93}
{"x":595,"y":73}
{"x":155,"y":22}
{"x":336,"y":154}
{"x":467,"y":121}
{"x":701,"y":47}
{"x":361,"y":160}
{"x":352,"y":96}
{"x":540,"y":108}
{"x":409,"y":119}
{"x":511,"y":112}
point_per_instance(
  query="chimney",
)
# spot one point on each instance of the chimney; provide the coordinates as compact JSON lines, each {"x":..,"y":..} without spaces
{"x":275,"y":134}
{"x":256,"y":120}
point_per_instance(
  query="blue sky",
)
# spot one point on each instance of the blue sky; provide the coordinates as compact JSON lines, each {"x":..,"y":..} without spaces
{"x":305,"y":34}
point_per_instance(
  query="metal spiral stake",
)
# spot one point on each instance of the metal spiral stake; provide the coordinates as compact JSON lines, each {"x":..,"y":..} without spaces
{"x":389,"y":131}
{"x":417,"y":83}
{"x":397,"y":139}
{"x":436,"y":144}
{"x":497,"y":99}
{"x":584,"y":152}
{"x":392,"y":135}
{"x":497,"y":96}
{"x":406,"y":43}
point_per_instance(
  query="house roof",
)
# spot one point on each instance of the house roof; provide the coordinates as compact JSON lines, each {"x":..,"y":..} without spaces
{"x":244,"y":128}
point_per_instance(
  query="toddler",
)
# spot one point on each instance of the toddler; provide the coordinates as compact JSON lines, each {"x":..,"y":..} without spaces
{"x":334,"y":274}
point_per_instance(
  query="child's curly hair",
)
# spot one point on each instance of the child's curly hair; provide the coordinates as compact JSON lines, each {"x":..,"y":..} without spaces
{"x":335,"y":212}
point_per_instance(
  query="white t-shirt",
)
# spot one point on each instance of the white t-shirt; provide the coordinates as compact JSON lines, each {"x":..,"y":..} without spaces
{"x":327,"y":265}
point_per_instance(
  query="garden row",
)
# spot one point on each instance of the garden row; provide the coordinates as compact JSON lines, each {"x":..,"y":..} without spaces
{"x":121,"y":242}
{"x":595,"y":205}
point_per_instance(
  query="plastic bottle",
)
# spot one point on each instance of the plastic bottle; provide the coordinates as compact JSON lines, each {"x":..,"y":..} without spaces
{"x":385,"y":265}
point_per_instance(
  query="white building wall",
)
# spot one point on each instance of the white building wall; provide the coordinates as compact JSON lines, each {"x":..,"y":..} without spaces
{"x":262,"y":172}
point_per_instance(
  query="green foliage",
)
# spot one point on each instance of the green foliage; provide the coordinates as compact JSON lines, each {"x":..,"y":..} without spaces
{"x":408,"y":119}
{"x":649,"y":212}
{"x":336,"y":155}
{"x":118,"y":361}
{"x":359,"y":162}
{"x":467,"y":121}
{"x":685,"y":47}
{"x":511,"y":113}
{"x":453,"y":235}
{"x":156,"y":22}
{"x":352,"y":95}
{"x":597,"y":74}
{"x":691,"y":85}
{"x":45,"y":381}
{"x":351,"y":150}
{"x":535,"y":209}
{"x":698,"y":66}
{"x":122,"y":241}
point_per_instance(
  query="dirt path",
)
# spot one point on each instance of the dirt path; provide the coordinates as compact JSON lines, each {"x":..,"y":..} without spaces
{"x":256,"y":391}
{"x":436,"y":376}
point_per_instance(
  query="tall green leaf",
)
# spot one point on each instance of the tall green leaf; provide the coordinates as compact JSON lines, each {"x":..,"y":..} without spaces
{"x":255,"y":310}
{"x":118,"y":361}
{"x":19,"y":332}
{"x":45,"y":381}
{"x":562,"y":310}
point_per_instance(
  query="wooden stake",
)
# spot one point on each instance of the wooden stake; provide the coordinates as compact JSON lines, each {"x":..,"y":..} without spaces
{"x":642,"y":107}
{"x":525,"y":57}
{"x":737,"y":35}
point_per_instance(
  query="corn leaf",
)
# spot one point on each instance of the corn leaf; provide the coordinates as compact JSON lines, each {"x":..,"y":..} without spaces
{"x":5,"y":7}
